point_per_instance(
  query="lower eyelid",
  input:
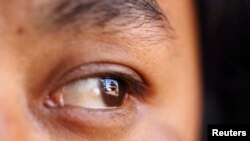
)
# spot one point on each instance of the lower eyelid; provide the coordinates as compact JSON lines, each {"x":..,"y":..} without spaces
{"x":79,"y":118}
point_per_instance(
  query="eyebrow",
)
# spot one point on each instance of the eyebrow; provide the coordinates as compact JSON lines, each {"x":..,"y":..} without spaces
{"x":101,"y":12}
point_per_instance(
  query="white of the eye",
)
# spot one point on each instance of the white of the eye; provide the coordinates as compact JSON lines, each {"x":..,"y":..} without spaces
{"x":84,"y":93}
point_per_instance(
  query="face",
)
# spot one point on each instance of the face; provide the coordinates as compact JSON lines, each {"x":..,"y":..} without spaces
{"x":91,"y":70}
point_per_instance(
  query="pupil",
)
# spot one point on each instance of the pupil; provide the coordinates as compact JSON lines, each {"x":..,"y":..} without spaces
{"x":112,"y":92}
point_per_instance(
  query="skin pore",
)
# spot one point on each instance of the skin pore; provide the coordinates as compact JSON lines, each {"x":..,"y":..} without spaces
{"x":51,"y":50}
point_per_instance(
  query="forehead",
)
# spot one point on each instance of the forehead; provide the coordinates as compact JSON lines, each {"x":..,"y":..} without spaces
{"x":141,"y":19}
{"x":62,"y":13}
{"x":38,"y":26}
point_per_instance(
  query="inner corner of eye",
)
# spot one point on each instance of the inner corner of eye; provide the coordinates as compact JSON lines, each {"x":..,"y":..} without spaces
{"x":92,"y":93}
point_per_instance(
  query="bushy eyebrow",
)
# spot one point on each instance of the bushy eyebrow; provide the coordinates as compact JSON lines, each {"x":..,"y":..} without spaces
{"x":68,"y":12}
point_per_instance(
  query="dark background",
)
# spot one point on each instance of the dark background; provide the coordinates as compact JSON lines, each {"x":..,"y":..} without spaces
{"x":225,"y":41}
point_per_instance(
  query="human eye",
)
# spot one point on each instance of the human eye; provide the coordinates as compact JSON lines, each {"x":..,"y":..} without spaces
{"x":99,"y":86}
{"x":103,"y":98}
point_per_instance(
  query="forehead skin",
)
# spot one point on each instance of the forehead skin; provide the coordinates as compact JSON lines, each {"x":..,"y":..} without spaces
{"x":34,"y":49}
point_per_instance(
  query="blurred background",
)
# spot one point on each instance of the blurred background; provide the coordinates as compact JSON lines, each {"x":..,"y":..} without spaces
{"x":225,"y":40}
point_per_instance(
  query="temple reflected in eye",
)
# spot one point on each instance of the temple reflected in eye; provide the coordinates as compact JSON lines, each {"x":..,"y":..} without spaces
{"x":111,"y":87}
{"x":113,"y":92}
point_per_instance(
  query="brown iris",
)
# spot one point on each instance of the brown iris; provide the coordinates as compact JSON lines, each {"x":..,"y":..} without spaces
{"x":113,"y":92}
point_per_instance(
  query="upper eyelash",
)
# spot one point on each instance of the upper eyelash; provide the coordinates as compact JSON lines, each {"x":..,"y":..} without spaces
{"x":137,"y":86}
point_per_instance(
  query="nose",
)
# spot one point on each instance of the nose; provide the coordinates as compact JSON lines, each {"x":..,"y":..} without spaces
{"x":13,"y":125}
{"x":16,"y":121}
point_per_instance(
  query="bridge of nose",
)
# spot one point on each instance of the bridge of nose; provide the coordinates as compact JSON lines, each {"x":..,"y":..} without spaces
{"x":16,"y":120}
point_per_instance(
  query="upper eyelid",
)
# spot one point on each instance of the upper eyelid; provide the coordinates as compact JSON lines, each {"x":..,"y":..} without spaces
{"x":93,"y":70}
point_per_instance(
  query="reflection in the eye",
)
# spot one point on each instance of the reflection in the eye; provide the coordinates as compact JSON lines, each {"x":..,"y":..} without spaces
{"x":113,"y":92}
{"x":111,"y":87}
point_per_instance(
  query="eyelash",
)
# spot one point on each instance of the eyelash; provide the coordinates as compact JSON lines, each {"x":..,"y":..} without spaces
{"x":136,"y":86}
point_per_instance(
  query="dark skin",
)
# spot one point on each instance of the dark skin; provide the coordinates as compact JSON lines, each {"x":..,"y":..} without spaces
{"x":56,"y":55}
